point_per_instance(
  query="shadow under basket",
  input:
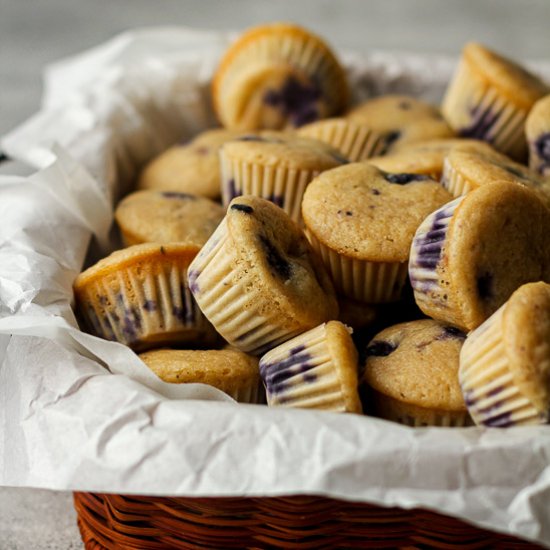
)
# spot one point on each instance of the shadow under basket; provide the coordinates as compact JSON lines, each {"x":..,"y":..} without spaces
{"x":294,"y":522}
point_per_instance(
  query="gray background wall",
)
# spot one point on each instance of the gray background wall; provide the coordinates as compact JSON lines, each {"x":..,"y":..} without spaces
{"x":36,"y":32}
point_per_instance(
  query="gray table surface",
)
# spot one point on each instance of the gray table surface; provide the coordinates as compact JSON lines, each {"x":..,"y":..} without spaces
{"x":34,"y":33}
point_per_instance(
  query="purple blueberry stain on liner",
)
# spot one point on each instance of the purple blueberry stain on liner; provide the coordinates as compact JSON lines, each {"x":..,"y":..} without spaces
{"x":232,"y":190}
{"x":192,"y":277}
{"x":481,"y":125}
{"x":150,"y":305}
{"x":542,"y":147}
{"x":296,"y":100}
{"x":278,"y":200}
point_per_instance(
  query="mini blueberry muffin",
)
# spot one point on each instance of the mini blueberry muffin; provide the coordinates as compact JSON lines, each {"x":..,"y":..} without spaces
{"x":426,"y":157}
{"x":355,"y":142}
{"x":362,"y":220}
{"x":537,"y":132}
{"x":276,"y":76}
{"x":192,"y":168}
{"x":466,"y":170}
{"x":490,"y":97}
{"x":400,"y":119}
{"x":505,"y":362}
{"x":167,"y":217}
{"x":276,"y":166}
{"x":233,"y":372}
{"x":469,"y":256}
{"x":315,"y":370}
{"x":412,"y":372}
{"x":257,"y":279}
{"x":139,"y":296}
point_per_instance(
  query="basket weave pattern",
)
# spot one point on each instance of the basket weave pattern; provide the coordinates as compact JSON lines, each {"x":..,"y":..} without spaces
{"x":293,"y":523}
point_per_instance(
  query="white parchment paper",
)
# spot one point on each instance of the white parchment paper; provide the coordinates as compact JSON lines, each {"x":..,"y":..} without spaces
{"x":80,"y":413}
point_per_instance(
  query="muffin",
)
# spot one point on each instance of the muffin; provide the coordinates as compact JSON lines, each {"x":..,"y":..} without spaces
{"x":355,"y":142}
{"x":257,"y":279}
{"x":412,"y":372}
{"x":315,"y":370}
{"x":505,"y":362}
{"x":467,"y":170}
{"x":167,"y":217}
{"x":276,"y":166}
{"x":537,"y":132}
{"x":400,"y":119}
{"x":139,"y":296}
{"x":276,"y":76}
{"x":426,"y":157}
{"x":233,"y":372}
{"x":489,"y":98}
{"x":469,"y":256}
{"x":362,"y":221}
{"x":192,"y":168}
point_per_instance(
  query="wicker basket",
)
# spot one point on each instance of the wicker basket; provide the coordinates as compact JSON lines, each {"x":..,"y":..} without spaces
{"x":293,"y":523}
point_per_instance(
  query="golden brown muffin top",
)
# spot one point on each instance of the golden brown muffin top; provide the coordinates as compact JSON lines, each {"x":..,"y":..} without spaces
{"x":364,"y":213}
{"x":417,"y":363}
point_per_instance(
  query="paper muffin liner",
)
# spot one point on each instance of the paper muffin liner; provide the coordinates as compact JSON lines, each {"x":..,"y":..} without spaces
{"x":356,"y":142}
{"x":301,"y":373}
{"x":416,"y":416}
{"x":454,"y":182}
{"x":144,"y":305}
{"x":492,"y":117}
{"x":281,"y":185}
{"x":227,"y":302}
{"x":492,"y":397}
{"x":426,"y":251}
{"x":537,"y":132}
{"x":288,"y":50}
{"x":362,"y":280}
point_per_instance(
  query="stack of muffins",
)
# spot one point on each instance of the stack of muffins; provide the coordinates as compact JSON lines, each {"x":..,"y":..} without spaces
{"x":390,"y":259}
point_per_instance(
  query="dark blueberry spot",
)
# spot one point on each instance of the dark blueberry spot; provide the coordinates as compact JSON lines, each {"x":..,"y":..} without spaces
{"x":149,"y":305}
{"x":380,"y":348}
{"x":390,"y":139}
{"x":481,"y":125}
{"x":103,"y":300}
{"x":232,"y":190}
{"x":296,"y":100}
{"x":192,"y":277}
{"x":405,"y":105}
{"x":542,"y":147}
{"x":242,"y":208}
{"x":375,"y":191}
{"x":275,"y":260}
{"x":402,"y":179}
{"x":251,"y":137}
{"x":349,"y":213}
{"x":485,"y":286}
{"x":177,"y":195}
{"x":451,"y":333}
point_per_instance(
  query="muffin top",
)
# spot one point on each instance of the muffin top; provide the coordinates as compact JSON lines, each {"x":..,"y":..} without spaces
{"x":497,"y":240}
{"x":526,"y":337}
{"x":153,"y":254}
{"x":274,"y":149}
{"x":426,"y":157}
{"x":189,"y":168}
{"x":223,"y":369}
{"x":167,"y":216}
{"x":516,"y":83}
{"x":480,"y":168}
{"x":278,"y":75}
{"x":364,"y":213}
{"x":276,"y":258}
{"x":417,"y":363}
{"x":401,"y":119}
